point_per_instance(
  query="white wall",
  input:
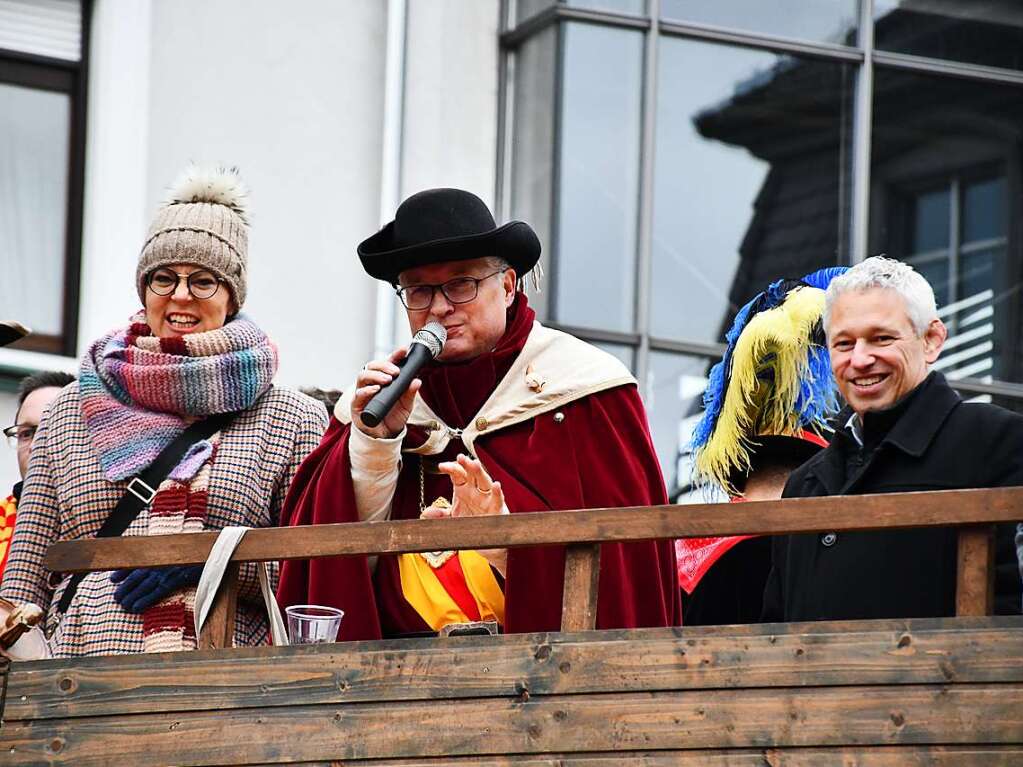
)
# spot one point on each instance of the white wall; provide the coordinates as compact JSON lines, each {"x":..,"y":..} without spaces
{"x":449,"y":120}
{"x":116,"y":210}
{"x":450,"y":126}
{"x":292,"y":94}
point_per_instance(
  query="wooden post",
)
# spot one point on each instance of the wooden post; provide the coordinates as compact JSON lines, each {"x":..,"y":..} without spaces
{"x":579,"y":598}
{"x":218,"y":630}
{"x":975,"y":578}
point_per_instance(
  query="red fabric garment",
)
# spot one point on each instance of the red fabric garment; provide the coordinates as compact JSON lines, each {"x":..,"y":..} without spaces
{"x":695,"y":556}
{"x":599,"y":455}
{"x":8,"y":515}
{"x":452,"y":578}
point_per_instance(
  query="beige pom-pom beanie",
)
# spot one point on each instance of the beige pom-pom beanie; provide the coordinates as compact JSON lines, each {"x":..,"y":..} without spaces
{"x":204,"y":222}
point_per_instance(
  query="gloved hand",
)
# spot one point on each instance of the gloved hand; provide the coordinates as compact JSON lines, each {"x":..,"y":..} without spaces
{"x":140,"y":589}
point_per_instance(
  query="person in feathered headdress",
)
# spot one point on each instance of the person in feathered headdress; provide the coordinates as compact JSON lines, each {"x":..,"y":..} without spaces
{"x":766,"y":408}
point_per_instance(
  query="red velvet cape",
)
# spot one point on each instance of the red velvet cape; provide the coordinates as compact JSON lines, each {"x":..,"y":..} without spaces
{"x":599,"y":455}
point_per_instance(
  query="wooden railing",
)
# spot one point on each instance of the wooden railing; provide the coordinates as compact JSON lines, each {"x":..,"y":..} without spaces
{"x":973,"y":511}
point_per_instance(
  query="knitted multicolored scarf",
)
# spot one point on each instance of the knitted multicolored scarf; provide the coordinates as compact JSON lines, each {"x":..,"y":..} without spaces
{"x":138,"y":393}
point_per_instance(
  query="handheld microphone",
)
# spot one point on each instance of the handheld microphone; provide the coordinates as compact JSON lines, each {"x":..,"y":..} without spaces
{"x":426,"y":345}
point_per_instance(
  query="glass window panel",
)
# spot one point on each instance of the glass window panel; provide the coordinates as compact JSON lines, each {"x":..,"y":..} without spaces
{"x":977,"y":271}
{"x":750,"y":180}
{"x":988,"y":33}
{"x":598,"y":177}
{"x":533,"y":142}
{"x":936,"y":272}
{"x":625,"y":353}
{"x":34,"y":132}
{"x":673,"y":396}
{"x":832,"y":21}
{"x":921,"y":144}
{"x":984,"y":210}
{"x":930,"y":221}
{"x":618,"y":6}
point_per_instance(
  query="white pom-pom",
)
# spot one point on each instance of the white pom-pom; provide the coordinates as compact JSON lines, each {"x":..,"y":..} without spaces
{"x":217,"y":185}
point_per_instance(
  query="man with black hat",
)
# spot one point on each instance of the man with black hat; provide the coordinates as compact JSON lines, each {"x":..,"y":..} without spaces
{"x":511,"y":417}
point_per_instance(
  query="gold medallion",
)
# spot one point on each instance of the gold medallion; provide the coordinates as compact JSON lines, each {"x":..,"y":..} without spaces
{"x":437,"y":559}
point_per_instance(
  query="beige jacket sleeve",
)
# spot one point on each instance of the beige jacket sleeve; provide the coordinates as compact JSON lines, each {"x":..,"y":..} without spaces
{"x":375,"y":467}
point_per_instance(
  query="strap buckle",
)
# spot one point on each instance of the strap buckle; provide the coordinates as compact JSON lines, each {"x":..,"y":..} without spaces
{"x":146,"y":494}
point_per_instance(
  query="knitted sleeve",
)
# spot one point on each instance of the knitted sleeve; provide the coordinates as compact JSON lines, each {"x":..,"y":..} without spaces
{"x":25,"y":578}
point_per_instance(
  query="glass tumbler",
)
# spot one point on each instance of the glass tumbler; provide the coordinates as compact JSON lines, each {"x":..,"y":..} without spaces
{"x":313,"y":624}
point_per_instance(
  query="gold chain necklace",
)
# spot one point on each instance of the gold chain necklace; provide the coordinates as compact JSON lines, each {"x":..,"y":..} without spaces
{"x":434,"y":559}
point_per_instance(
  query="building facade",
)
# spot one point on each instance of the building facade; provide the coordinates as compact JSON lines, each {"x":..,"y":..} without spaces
{"x":680,"y":155}
{"x":673,"y":155}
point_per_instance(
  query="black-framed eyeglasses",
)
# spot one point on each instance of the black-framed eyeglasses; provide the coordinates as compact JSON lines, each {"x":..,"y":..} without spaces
{"x":201,"y":284}
{"x":20,"y":434}
{"x":460,"y":290}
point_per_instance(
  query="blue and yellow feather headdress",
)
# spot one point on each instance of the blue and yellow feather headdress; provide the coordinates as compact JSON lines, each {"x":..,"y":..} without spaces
{"x":774,"y":379}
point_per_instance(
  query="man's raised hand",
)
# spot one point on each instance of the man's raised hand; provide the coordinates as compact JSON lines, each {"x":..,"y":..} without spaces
{"x":475,"y":494}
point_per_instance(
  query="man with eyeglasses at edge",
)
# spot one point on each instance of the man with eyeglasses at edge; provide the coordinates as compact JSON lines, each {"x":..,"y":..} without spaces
{"x":511,"y":417}
{"x":35,"y":393}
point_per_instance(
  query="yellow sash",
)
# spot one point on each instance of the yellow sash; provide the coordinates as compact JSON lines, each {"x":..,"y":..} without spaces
{"x":425,"y":592}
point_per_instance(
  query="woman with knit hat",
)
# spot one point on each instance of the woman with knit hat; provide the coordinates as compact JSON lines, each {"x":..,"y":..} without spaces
{"x":188,"y":357}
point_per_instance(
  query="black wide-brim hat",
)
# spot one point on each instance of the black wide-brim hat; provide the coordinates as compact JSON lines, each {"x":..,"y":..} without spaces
{"x":11,"y":331}
{"x":441,"y":225}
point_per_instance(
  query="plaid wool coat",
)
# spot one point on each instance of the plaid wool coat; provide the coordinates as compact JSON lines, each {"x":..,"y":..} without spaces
{"x":67,"y":496}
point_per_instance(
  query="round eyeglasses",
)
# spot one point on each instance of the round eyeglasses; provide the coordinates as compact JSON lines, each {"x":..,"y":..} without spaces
{"x":460,"y":290}
{"x":201,"y":284}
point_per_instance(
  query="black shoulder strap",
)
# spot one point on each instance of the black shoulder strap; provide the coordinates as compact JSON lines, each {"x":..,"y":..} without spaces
{"x":142,"y":489}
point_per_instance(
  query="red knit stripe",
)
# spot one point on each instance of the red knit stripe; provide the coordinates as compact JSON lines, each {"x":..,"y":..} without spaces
{"x":196,"y":508}
{"x":135,"y":330}
{"x":452,"y":578}
{"x":172,"y":500}
{"x":165,"y":617}
{"x":173,"y":345}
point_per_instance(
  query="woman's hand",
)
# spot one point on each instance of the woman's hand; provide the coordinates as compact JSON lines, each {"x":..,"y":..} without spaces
{"x":370,"y":380}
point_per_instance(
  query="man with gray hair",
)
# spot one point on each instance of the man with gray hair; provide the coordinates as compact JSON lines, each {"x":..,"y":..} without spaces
{"x":905,"y":429}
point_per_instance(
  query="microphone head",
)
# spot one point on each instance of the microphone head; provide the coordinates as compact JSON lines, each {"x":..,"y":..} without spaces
{"x":432,"y":335}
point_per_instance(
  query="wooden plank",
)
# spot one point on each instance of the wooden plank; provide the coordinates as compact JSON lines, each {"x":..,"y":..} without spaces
{"x":218,"y":630}
{"x":521,"y":667}
{"x":5,"y":669}
{"x":579,"y":597}
{"x":885,"y":756}
{"x":798,"y":515}
{"x":747,"y":718}
{"x":975,"y":575}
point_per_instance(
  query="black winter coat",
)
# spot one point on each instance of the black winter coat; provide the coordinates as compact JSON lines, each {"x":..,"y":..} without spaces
{"x":931,"y":441}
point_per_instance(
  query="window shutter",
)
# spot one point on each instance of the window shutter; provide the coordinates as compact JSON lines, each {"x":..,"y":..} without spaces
{"x":50,"y":28}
